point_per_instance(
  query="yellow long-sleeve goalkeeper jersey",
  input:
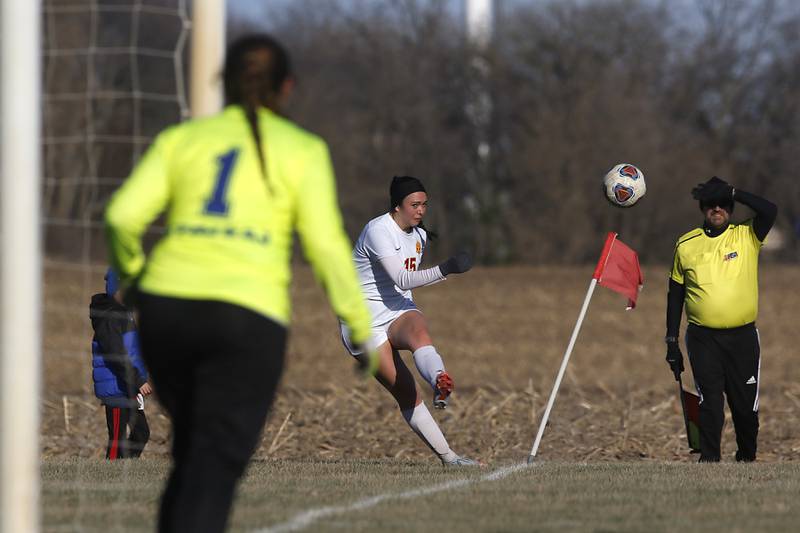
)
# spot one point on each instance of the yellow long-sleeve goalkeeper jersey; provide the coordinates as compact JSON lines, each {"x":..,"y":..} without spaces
{"x":229,"y":231}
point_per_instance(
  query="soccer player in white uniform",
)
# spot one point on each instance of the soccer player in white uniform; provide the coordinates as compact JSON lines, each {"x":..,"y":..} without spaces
{"x":387,"y":255}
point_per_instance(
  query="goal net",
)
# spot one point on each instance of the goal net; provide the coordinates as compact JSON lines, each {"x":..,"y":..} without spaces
{"x":113,"y":76}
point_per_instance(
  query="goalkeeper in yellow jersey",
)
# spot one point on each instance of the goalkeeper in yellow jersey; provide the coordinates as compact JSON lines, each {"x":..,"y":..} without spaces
{"x":213,"y":294}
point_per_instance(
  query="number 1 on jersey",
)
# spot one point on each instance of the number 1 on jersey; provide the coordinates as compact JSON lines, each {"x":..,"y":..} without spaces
{"x":216,"y":205}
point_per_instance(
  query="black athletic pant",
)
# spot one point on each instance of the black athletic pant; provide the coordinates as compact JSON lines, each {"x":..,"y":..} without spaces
{"x":128,"y":432}
{"x":726,"y":361}
{"x":215,"y":367}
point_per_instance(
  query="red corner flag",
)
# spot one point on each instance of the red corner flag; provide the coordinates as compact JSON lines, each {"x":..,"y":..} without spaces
{"x":618,"y":269}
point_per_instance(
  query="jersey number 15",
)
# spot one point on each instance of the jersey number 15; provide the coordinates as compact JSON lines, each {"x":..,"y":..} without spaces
{"x":411,"y":263}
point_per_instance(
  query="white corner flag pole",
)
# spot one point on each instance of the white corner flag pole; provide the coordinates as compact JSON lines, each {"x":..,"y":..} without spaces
{"x":561,"y":370}
{"x":598,"y":273}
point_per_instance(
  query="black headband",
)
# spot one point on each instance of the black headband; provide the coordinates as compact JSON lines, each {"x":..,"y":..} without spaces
{"x":401,"y":187}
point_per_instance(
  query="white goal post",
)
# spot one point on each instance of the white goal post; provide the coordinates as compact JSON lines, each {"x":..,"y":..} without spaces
{"x":22,"y":217}
{"x":208,"y":51}
{"x":20,"y":264}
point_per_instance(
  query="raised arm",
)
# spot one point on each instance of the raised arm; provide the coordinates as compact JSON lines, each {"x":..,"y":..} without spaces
{"x":766,"y":212}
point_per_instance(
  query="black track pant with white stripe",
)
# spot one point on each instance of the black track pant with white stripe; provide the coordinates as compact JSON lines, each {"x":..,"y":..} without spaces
{"x":726,"y":361}
{"x":215,"y":367}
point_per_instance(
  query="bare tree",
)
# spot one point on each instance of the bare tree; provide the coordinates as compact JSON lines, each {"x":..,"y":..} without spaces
{"x":575,"y":88}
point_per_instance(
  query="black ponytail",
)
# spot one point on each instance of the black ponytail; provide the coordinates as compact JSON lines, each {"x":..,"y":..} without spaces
{"x":256,"y":66}
{"x":432,"y":235}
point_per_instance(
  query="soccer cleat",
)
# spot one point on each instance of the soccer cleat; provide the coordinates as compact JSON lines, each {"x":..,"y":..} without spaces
{"x":441,"y":392}
{"x":462,"y":461}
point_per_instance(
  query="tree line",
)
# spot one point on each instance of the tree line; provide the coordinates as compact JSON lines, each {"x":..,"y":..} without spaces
{"x":575,"y":87}
{"x":512,"y":140}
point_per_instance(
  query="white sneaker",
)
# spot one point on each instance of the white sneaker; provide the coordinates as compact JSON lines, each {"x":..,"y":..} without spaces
{"x":462,"y":461}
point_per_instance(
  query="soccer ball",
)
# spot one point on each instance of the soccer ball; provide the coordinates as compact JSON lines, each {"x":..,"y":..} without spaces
{"x":624,"y":185}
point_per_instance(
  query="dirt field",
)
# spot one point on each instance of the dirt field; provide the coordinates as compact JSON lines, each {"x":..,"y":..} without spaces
{"x":502,"y":332}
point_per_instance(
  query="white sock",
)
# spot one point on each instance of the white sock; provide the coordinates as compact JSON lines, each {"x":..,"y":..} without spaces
{"x":429,"y":364}
{"x":423,"y":424}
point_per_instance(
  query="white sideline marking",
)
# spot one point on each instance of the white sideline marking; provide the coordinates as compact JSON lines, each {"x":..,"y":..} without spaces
{"x":306,"y":518}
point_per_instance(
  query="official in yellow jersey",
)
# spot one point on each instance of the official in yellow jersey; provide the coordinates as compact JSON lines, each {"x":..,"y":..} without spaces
{"x":213,"y":294}
{"x":715,"y":277}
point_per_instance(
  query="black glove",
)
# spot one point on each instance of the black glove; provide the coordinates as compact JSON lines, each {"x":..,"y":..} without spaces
{"x":714,"y":189}
{"x":675,"y":358}
{"x":367,"y":361}
{"x":458,"y":264}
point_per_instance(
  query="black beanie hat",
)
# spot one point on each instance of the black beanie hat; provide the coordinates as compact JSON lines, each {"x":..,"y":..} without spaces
{"x":401,"y":187}
{"x":721,"y":201}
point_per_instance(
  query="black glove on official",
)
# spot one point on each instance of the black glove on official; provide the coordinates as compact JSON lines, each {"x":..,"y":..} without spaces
{"x":714,"y":189}
{"x":675,"y":358}
{"x":458,"y":264}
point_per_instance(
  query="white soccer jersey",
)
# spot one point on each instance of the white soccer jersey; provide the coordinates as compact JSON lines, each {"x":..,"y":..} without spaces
{"x":380,"y":239}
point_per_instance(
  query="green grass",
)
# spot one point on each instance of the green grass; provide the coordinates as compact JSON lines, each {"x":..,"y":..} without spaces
{"x":91,"y":495}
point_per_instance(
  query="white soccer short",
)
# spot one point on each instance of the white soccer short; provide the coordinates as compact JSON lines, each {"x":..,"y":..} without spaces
{"x":380,"y":332}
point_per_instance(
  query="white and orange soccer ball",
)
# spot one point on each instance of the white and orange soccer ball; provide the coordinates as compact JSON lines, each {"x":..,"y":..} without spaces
{"x":624,"y":185}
